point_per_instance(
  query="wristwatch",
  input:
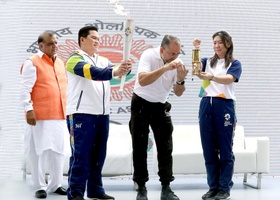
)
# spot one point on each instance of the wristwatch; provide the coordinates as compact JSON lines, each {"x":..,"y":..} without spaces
{"x":180,"y":82}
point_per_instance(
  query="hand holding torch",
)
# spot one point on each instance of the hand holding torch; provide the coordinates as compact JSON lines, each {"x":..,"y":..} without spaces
{"x":127,"y":42}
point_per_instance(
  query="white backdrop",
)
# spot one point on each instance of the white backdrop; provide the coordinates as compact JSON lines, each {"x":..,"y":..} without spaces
{"x":254,"y":26}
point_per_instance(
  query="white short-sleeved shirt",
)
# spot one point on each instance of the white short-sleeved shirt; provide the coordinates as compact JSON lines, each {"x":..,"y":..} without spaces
{"x":159,"y":90}
{"x":214,"y":89}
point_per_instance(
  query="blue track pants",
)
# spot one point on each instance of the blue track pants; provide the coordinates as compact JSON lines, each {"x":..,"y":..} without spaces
{"x":217,"y":121}
{"x":88,"y":138}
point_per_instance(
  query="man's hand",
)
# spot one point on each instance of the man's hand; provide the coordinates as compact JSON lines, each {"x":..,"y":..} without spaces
{"x":31,"y":118}
{"x":123,"y":68}
{"x":182,"y":72}
{"x":173,"y":65}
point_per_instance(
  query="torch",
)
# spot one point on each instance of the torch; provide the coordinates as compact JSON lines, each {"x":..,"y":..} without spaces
{"x":196,"y":63}
{"x":127,"y":41}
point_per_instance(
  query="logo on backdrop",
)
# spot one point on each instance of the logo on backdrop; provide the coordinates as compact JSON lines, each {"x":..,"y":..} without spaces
{"x":111,"y":47}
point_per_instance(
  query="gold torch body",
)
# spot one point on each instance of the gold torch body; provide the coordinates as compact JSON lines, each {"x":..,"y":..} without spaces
{"x":196,"y":62}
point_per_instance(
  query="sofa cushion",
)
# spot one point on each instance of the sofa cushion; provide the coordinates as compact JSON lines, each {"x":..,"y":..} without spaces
{"x":119,"y":151}
{"x":239,"y":138}
{"x":188,"y":154}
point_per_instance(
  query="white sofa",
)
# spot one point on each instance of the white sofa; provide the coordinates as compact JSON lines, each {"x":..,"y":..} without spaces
{"x":119,"y":153}
{"x":251,"y":153}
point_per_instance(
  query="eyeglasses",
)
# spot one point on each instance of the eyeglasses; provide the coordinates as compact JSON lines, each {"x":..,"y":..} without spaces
{"x":171,"y":53}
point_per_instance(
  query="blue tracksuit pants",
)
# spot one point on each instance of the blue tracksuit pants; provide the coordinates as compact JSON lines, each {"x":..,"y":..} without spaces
{"x":217,"y":121}
{"x":88,"y":138}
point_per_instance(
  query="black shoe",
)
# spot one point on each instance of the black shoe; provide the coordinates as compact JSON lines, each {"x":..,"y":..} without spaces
{"x":142,"y":193}
{"x":167,"y":193}
{"x":78,"y":198}
{"x":104,"y":196}
{"x":222,"y":195}
{"x":41,"y":194}
{"x":210,"y":194}
{"x":60,"y":191}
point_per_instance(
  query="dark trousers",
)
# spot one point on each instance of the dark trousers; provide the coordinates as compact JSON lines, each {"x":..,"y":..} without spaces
{"x":88,"y":140}
{"x":156,"y":115}
{"x":216,"y":121}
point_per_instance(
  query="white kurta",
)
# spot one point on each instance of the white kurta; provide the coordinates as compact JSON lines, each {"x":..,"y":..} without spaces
{"x":47,"y":134}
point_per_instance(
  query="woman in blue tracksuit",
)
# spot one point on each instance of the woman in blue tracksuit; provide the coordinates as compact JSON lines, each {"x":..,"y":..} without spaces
{"x":217,"y":114}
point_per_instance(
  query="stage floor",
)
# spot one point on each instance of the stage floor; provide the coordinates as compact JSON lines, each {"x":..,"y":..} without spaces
{"x":190,"y":187}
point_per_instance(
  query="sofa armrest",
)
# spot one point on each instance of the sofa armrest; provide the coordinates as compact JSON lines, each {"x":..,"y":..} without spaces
{"x":261,"y":146}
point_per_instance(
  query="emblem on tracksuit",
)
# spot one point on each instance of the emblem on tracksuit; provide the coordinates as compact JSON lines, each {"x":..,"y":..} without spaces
{"x":78,"y":125}
{"x":227,"y":120}
{"x":227,"y":117}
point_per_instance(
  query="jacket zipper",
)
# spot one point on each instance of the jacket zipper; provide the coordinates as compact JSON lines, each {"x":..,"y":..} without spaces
{"x":103,"y":97}
{"x":79,"y":100}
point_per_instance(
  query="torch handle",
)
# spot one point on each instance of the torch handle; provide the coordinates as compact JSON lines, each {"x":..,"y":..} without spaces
{"x":128,"y":33}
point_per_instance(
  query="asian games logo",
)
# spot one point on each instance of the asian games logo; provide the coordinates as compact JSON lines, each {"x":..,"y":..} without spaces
{"x":111,"y":47}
